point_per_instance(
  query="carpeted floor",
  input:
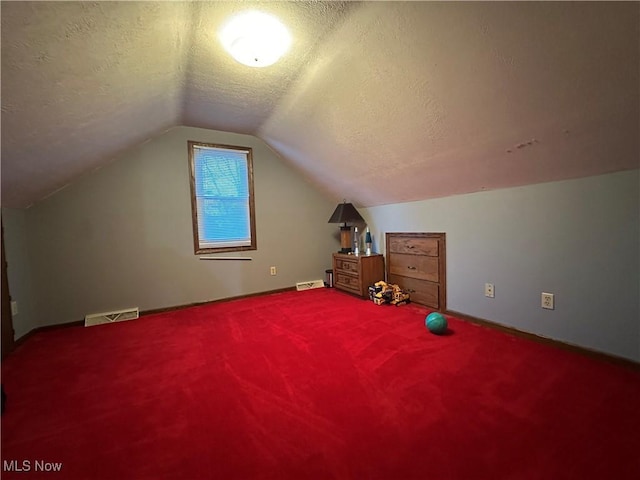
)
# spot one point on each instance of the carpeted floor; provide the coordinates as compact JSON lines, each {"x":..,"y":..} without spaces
{"x":312,"y":385}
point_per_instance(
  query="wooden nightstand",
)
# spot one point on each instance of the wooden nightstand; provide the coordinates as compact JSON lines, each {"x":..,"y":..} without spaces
{"x":354,"y":273}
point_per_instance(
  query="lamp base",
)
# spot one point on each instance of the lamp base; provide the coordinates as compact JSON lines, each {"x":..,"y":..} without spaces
{"x":345,"y":239}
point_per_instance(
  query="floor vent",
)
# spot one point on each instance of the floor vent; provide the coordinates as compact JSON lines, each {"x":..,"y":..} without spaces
{"x":309,"y":285}
{"x":111,"y":317}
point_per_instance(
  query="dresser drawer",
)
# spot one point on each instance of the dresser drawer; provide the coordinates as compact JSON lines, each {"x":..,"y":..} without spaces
{"x":414,"y":245}
{"x":421,"y":291}
{"x":421,"y":267}
{"x":347,"y":282}
{"x":346,"y":265}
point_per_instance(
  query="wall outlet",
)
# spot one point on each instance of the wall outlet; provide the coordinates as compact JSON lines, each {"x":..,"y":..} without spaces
{"x":489,"y":290}
{"x":273,"y":271}
{"x":547,"y":301}
{"x":14,"y":308}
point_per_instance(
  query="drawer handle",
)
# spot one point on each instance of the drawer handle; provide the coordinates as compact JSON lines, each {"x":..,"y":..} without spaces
{"x":411,"y":268}
{"x":410,"y":246}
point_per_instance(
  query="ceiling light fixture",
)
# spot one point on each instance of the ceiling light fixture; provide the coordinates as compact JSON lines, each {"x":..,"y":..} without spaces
{"x":255,"y":39}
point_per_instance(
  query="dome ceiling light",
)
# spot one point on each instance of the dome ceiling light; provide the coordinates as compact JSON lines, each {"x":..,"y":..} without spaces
{"x":255,"y":39}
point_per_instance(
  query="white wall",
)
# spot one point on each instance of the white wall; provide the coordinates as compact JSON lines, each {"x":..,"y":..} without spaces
{"x":122,"y":236}
{"x":578,"y":239}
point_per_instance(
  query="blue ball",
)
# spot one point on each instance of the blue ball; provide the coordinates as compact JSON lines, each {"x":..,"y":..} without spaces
{"x":436,"y":323}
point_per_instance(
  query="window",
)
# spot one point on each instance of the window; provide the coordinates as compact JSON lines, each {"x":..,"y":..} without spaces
{"x":222,"y":201}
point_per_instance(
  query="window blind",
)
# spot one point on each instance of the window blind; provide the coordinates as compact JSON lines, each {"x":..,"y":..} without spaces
{"x":222,"y":197}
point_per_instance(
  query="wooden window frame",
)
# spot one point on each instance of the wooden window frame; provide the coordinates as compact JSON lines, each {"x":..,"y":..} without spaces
{"x":198,"y":249}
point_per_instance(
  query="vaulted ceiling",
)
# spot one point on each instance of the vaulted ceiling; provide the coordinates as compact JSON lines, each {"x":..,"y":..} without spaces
{"x":377,"y":102}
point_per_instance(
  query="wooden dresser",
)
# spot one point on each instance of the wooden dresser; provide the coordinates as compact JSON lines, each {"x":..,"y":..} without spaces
{"x":354,"y":273}
{"x":417,"y":263}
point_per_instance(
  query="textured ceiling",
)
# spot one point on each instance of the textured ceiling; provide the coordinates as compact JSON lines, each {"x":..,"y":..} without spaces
{"x":377,"y":102}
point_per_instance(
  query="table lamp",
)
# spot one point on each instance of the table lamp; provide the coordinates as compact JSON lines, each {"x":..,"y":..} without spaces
{"x":345,"y":213}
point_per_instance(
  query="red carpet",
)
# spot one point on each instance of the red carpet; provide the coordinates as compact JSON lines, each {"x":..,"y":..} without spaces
{"x":312,"y":385}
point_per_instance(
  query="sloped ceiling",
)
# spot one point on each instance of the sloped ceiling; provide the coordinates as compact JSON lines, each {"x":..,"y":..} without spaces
{"x":376,"y":102}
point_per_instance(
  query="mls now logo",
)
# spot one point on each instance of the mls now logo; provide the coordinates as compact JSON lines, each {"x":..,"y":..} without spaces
{"x":28,"y":465}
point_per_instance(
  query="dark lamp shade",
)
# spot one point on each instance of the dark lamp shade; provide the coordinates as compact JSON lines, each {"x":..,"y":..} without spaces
{"x":345,"y":212}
